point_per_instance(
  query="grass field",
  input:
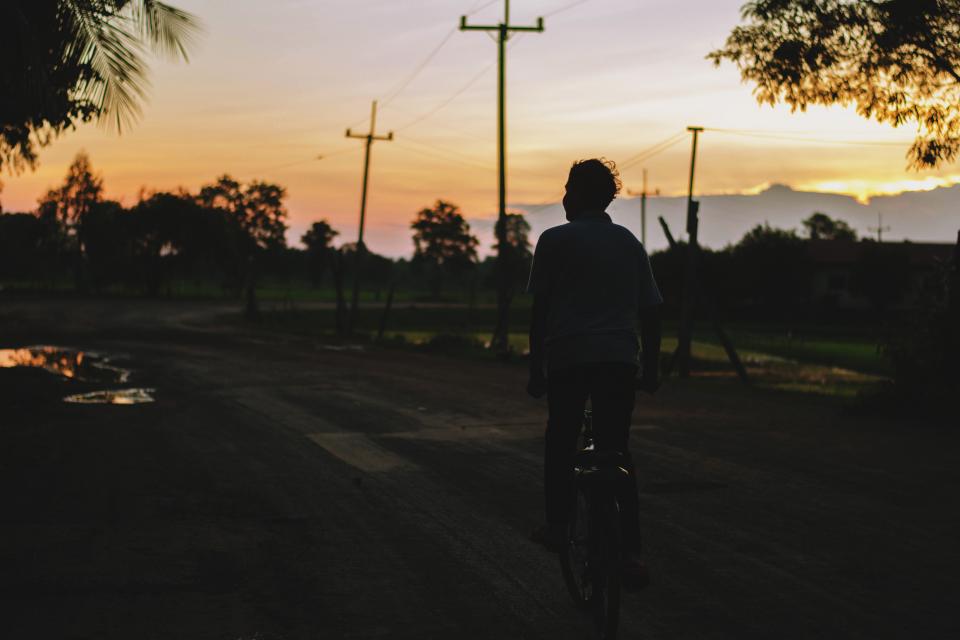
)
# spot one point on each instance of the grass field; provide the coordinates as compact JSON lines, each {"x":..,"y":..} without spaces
{"x":824,"y":361}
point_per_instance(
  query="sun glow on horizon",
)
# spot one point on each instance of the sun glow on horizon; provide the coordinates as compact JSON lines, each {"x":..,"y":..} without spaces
{"x":864,"y":189}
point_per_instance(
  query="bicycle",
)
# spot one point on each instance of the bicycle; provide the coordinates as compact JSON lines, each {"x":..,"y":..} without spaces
{"x":592,"y":556}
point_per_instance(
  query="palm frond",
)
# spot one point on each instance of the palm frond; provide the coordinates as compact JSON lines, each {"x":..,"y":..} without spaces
{"x":114,"y":53}
{"x":170,"y":31}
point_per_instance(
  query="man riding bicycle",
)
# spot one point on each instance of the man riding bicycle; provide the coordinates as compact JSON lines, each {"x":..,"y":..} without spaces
{"x":592,"y":286}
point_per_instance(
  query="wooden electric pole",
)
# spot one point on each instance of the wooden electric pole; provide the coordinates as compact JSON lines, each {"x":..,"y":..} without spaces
{"x":879,"y":228}
{"x":690,"y":280}
{"x":643,"y":209}
{"x":361,"y":248}
{"x":499,"y":341}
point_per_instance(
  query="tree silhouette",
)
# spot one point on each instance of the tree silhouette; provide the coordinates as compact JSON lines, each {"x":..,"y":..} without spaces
{"x":104,"y":233}
{"x":319,"y":243}
{"x":820,"y":226}
{"x":514,"y":230}
{"x":67,"y":207}
{"x":257,"y":207}
{"x":81,"y":190}
{"x":21,"y":241}
{"x":258,"y":212}
{"x":442,"y":241}
{"x":896,"y":61}
{"x":770,"y":269}
{"x":66,"y":63}
{"x":924,"y":344}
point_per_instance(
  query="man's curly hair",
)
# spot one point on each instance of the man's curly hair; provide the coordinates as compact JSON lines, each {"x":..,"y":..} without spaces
{"x":596,"y":179}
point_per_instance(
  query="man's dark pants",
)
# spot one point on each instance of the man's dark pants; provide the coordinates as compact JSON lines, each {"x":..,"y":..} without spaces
{"x":611,"y":389}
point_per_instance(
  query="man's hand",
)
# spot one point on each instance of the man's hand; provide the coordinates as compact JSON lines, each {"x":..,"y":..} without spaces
{"x":537,"y":384}
{"x":650,"y":384}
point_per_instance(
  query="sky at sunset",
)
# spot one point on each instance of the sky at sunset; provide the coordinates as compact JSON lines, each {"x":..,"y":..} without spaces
{"x":274,"y":84}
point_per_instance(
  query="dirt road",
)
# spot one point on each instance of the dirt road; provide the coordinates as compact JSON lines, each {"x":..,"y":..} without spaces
{"x":279,"y":488}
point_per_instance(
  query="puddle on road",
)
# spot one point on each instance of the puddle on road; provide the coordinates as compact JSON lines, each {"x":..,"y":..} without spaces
{"x":74,"y":364}
{"x":118,"y":396}
{"x":81,"y":366}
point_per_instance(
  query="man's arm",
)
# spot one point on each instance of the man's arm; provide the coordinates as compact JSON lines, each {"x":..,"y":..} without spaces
{"x":649,"y":304}
{"x":650,"y":345}
{"x":540,"y":288}
{"x":537,"y":384}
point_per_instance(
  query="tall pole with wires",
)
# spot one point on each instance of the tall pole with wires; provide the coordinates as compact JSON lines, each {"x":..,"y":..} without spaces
{"x":504,"y":29}
{"x":879,"y":229}
{"x":361,"y":248}
{"x":643,"y":208}
{"x":690,"y":279}
{"x":643,"y":211}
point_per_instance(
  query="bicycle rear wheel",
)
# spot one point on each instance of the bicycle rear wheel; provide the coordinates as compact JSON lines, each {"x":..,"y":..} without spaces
{"x":574,"y":558}
{"x":605,"y":560}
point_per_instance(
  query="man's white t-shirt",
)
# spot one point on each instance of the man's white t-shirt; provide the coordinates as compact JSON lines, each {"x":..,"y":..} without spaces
{"x":595,"y":277}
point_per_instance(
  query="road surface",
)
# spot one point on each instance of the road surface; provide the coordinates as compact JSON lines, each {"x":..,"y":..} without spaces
{"x":281,"y":488}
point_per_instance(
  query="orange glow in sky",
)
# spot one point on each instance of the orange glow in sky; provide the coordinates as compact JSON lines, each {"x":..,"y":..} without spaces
{"x":274,"y":85}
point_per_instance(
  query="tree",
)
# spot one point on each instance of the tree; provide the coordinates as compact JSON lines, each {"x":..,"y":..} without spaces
{"x":66,"y":209}
{"x":21,"y":238}
{"x":66,"y":63}
{"x":513,"y":245}
{"x":319,"y":243}
{"x":923,"y":345}
{"x":104,"y":233}
{"x":257,"y":211}
{"x":257,"y":207}
{"x":820,"y":226}
{"x":896,"y":61}
{"x":442,"y":240}
{"x":81,"y":190}
{"x":770,"y":269}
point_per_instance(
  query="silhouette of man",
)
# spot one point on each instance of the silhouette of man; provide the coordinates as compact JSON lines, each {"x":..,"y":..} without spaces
{"x":592,"y":286}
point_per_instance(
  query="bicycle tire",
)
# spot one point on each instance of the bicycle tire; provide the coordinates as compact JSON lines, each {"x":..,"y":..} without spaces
{"x":605,"y":566}
{"x":573,"y":557}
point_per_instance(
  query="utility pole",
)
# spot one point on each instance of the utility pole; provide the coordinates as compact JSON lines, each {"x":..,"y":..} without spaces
{"x":643,"y":209}
{"x":690,"y":279}
{"x":499,"y":341}
{"x":361,"y":248}
{"x":879,"y":228}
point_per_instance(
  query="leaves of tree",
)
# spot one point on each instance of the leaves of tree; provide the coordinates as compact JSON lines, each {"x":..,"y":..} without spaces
{"x":895,"y":61}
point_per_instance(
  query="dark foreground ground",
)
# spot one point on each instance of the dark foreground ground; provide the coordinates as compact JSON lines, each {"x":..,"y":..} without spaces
{"x":282,"y":489}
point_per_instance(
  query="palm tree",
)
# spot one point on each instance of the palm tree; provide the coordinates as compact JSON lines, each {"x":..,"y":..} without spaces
{"x":70,"y":61}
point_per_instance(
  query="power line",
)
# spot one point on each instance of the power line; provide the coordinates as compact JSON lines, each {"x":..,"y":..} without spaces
{"x":410,"y":78}
{"x":322,"y":156}
{"x":446,"y":158}
{"x":393,"y":93}
{"x":453,"y":97}
{"x":537,"y":208}
{"x":774,"y":135}
{"x":456,"y":94}
{"x":447,"y":128}
{"x":445,"y":150}
{"x":653,"y":150}
{"x":481,"y":7}
{"x":565,"y":8}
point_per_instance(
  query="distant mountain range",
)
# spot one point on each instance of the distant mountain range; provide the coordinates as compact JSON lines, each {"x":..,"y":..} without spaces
{"x":919,"y":216}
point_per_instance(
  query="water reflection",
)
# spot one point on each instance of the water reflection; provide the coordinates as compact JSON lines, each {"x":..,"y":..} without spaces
{"x":86,"y":366}
{"x":76,"y":365}
{"x":117,"y":396}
